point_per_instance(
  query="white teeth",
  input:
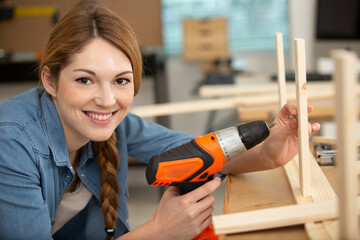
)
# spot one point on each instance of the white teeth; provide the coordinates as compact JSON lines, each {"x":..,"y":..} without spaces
{"x":98,"y":116}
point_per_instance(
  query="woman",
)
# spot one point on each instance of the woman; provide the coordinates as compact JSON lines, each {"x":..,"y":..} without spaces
{"x":64,"y":146}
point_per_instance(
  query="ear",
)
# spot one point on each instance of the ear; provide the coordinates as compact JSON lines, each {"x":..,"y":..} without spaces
{"x":48,"y":81}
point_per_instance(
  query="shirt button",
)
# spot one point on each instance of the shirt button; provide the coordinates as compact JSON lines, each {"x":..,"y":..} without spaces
{"x":67,"y":177}
{"x":82,"y":175}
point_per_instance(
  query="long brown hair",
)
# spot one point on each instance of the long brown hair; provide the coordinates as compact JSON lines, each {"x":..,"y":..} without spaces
{"x":87,"y":21}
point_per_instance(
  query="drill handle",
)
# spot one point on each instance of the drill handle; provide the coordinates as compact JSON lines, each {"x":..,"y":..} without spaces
{"x":186,"y":187}
{"x":184,"y":164}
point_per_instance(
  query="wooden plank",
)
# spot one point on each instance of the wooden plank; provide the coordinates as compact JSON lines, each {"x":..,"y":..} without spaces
{"x":270,"y":99}
{"x":237,"y":89}
{"x":280,"y":68}
{"x":324,"y":111}
{"x":345,"y":76}
{"x":301,"y":99}
{"x":249,"y":87}
{"x":164,"y":109}
{"x":278,"y":217}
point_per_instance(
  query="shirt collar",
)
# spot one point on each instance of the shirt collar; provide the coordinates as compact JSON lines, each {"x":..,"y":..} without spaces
{"x":53,"y":129}
{"x":86,"y":152}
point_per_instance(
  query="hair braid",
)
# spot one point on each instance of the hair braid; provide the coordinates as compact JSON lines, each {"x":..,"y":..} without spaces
{"x":108,"y":161}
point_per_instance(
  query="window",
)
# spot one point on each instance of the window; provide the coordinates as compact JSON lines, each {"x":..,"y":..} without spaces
{"x":252,"y":24}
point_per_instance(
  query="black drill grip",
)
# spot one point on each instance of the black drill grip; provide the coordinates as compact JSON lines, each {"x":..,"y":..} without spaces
{"x":186,"y":151}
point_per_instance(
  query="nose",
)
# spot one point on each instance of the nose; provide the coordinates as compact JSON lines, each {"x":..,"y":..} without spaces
{"x":105,"y":96}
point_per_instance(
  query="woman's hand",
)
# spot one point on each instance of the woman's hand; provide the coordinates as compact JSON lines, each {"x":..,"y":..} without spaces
{"x":184,"y":216}
{"x":278,"y":149}
{"x":282,"y":144}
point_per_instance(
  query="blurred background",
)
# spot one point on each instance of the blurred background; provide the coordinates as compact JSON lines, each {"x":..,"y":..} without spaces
{"x":188,"y":45}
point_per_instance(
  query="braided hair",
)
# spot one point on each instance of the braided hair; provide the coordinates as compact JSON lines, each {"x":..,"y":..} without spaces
{"x":108,"y":161}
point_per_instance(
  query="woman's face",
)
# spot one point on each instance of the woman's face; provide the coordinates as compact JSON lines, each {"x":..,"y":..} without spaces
{"x":94,"y":92}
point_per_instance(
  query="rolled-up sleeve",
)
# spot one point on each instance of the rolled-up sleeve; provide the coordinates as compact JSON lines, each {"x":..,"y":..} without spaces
{"x":23,"y":210}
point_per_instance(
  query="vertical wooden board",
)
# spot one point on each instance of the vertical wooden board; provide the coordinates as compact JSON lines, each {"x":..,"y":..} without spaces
{"x":345,"y":76}
{"x":280,"y":68}
{"x":301,"y":99}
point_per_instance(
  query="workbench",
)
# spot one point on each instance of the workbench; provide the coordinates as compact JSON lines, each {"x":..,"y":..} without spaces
{"x":260,"y":190}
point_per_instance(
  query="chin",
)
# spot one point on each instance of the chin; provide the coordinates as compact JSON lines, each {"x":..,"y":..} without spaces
{"x":100,"y":137}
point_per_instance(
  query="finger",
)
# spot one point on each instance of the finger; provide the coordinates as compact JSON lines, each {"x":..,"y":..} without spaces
{"x":289,"y":109}
{"x":205,"y":218}
{"x":206,"y":223}
{"x":200,"y":210}
{"x":203,"y":204}
{"x":314,"y":128}
{"x":201,"y":226}
{"x":203,"y":190}
{"x":310,"y":108}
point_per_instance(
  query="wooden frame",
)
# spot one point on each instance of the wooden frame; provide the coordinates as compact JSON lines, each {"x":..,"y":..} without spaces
{"x":320,"y":188}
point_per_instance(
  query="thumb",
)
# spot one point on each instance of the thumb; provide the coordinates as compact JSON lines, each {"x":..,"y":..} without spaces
{"x":293,"y":126}
{"x":293,"y":123}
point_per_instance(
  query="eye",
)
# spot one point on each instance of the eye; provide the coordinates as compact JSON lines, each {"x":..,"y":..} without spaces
{"x":122,"y":81}
{"x":85,"y":81}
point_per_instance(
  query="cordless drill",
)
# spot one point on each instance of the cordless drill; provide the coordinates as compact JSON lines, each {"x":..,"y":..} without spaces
{"x":196,"y":162}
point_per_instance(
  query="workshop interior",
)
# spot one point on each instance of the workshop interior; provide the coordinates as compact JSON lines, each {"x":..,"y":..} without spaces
{"x":202,"y":52}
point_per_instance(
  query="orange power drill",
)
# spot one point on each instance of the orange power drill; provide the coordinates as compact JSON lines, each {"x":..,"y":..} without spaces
{"x":196,"y":162}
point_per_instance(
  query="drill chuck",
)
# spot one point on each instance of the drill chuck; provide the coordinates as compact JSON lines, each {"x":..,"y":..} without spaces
{"x":235,"y":140}
{"x":253,"y":133}
{"x":230,"y":142}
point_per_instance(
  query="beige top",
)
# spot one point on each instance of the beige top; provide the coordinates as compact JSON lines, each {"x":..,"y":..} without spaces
{"x":70,"y":205}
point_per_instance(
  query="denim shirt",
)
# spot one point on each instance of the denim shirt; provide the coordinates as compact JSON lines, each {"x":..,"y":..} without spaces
{"x":35,"y":170}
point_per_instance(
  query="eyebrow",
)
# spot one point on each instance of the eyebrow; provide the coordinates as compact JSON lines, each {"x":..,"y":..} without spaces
{"x":93,"y":73}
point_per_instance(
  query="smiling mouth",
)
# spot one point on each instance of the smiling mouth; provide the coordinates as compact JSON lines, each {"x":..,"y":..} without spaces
{"x":100,"y":117}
